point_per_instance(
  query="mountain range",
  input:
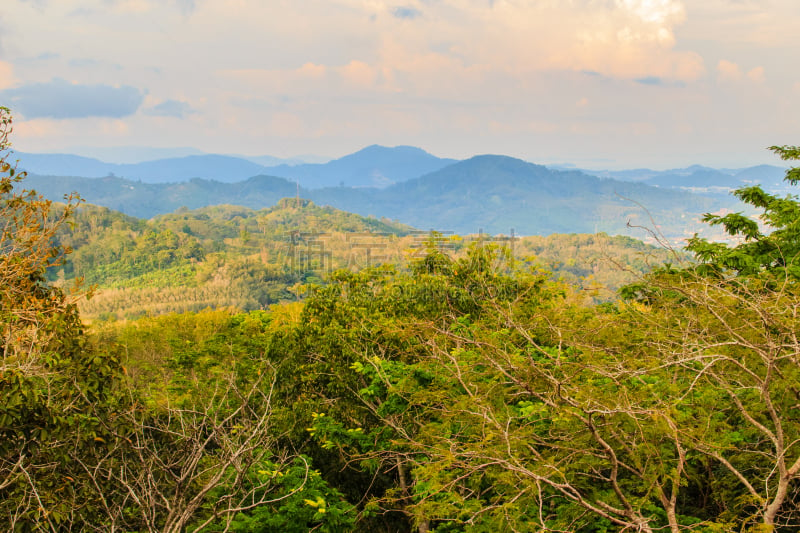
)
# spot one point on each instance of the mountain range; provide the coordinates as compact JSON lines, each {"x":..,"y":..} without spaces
{"x":374,"y":166}
{"x":704,"y":179}
{"x":490,"y":193}
{"x":494,"y":194}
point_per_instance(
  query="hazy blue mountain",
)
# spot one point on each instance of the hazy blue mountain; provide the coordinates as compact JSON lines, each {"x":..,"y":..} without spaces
{"x":217,"y":167}
{"x":62,"y":165}
{"x":634,"y":174}
{"x":769,"y":176}
{"x":703,"y":179}
{"x":133,"y":154}
{"x":271,"y":161}
{"x":222,"y":168}
{"x":700,"y":177}
{"x":495,"y":194}
{"x":373,"y":166}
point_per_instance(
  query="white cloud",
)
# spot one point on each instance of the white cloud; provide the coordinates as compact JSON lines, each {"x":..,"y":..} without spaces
{"x":654,"y":11}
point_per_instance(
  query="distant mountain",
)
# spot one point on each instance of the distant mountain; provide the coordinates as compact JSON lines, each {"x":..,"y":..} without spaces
{"x":495,"y":194}
{"x":498,"y":194}
{"x":217,"y":167}
{"x":770,"y":177}
{"x":635,"y":174}
{"x":373,"y":166}
{"x":271,"y":161}
{"x":700,"y":177}
{"x":62,"y":165}
{"x":133,"y":154}
{"x":704,"y":179}
{"x":146,"y":200}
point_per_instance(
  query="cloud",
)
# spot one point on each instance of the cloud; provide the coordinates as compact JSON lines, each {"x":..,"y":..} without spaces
{"x":650,"y":80}
{"x":6,"y":75}
{"x":617,"y":38}
{"x":170,"y":108}
{"x":36,"y":3}
{"x":659,"y":82}
{"x":359,"y":74}
{"x":60,"y":99}
{"x":625,"y":39}
{"x":131,"y":6}
{"x":729,"y":71}
{"x":187,"y":7}
{"x":47,"y":56}
{"x":756,"y":75}
{"x":406,"y":12}
{"x":88,"y":63}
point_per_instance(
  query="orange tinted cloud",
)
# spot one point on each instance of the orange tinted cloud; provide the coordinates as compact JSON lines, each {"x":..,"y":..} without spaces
{"x":729,"y":71}
{"x":6,"y":75}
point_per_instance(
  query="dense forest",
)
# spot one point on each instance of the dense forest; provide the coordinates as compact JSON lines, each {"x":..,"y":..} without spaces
{"x":463,"y":387}
{"x":228,"y":256}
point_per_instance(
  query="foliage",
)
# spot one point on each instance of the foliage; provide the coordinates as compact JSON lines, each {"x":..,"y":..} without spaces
{"x":192,"y":260}
{"x":301,"y":501}
{"x":673,"y":410}
{"x":773,"y":249}
{"x":54,"y":389}
{"x":166,"y":444}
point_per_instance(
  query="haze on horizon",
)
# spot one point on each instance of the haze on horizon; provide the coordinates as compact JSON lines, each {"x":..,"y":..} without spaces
{"x":600,"y":84}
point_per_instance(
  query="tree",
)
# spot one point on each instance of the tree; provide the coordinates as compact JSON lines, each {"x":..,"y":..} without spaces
{"x":775,"y":251}
{"x":492,"y":423}
{"x":200,"y":444}
{"x":84,"y":446}
{"x":28,"y":225}
{"x":51,"y":385}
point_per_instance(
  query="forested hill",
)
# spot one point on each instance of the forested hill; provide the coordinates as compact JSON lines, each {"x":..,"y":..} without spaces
{"x":498,"y":194}
{"x":146,"y":200}
{"x":495,"y":194}
{"x":215,"y":257}
{"x":234,"y":257}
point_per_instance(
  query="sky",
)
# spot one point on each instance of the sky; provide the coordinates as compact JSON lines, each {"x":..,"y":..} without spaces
{"x":594,"y":83}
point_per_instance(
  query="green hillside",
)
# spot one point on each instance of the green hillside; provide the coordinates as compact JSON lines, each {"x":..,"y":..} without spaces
{"x":216,"y":256}
{"x":232,"y":256}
